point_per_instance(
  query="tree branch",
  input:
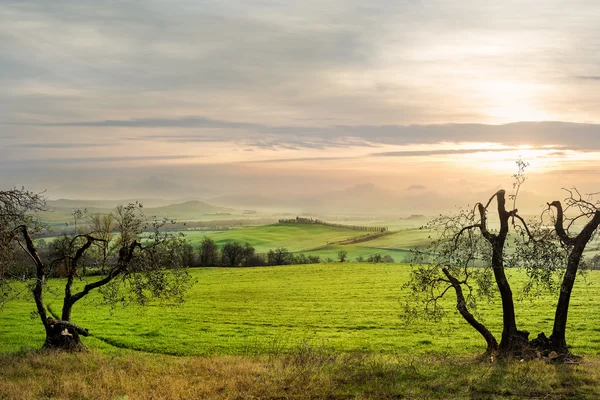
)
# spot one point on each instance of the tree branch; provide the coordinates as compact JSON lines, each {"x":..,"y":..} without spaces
{"x":457,"y":236}
{"x":559,"y":223}
{"x":517,"y":216}
{"x":461,"y":306}
{"x":40,"y":274}
{"x":125,"y":257}
{"x":483,"y":225}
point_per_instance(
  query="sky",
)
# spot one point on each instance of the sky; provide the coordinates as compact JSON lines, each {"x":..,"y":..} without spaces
{"x":200,"y":99}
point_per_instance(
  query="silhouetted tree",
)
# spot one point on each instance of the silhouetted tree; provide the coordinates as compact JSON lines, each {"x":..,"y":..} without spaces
{"x":469,"y":257}
{"x":464,"y":242}
{"x":581,"y":210}
{"x":101,"y":225}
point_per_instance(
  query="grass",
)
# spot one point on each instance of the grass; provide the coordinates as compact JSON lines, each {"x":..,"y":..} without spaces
{"x":347,"y":307}
{"x":305,"y":373}
{"x":311,"y":331}
{"x":294,"y":237}
{"x":320,"y":240}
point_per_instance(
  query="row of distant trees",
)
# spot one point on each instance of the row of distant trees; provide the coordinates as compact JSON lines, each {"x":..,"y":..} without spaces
{"x":303,"y":220}
{"x":231,"y":254}
{"x":235,"y":254}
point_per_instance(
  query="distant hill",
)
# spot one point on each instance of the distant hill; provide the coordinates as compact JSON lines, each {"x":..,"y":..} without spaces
{"x":100,"y":204}
{"x":188,"y":209}
{"x":250,"y":201}
{"x":61,"y":210}
{"x":360,"y":199}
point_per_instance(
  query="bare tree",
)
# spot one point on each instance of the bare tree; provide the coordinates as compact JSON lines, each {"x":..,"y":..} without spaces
{"x":587,"y":211}
{"x":465,"y":242}
{"x":146,"y":260}
{"x":468,"y":254}
{"x":460,"y":257}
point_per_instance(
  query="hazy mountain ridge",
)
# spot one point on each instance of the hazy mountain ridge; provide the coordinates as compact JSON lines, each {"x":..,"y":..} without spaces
{"x":193,"y":207}
{"x":364,"y":198}
{"x":63,"y":209}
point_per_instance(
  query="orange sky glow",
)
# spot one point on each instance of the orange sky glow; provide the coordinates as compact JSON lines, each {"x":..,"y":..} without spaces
{"x":435,"y":99}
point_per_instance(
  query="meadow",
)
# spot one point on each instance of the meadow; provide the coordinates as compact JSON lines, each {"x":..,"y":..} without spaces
{"x":310,"y":331}
{"x":324,"y":241}
{"x":331,"y":330}
{"x":347,"y":307}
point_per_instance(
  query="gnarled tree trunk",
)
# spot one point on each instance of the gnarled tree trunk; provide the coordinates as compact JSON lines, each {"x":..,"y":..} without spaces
{"x":60,"y":334}
{"x":461,"y":306}
{"x":558,"y":340}
{"x":512,"y":339}
{"x":64,"y":335}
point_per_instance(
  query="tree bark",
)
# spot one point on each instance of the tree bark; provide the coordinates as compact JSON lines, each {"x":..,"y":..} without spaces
{"x":512,"y":339}
{"x":38,"y":290}
{"x":72,"y":271}
{"x":461,"y":306}
{"x":558,"y":340}
{"x":62,"y":335}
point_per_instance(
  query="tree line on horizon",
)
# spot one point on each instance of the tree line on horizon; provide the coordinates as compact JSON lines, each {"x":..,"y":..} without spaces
{"x":234,"y":254}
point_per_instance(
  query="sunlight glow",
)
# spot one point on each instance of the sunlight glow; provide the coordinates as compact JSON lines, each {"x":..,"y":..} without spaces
{"x":507,"y":101}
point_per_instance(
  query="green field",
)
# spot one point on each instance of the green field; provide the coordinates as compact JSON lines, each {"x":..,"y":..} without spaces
{"x":294,"y":237}
{"x":347,"y":307}
{"x":319,"y":240}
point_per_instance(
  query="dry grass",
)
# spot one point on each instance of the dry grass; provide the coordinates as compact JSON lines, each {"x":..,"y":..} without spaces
{"x":306,"y":373}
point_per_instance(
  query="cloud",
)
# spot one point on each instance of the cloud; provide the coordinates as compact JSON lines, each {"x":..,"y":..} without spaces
{"x":576,"y":172}
{"x":389,"y":62}
{"x":575,"y":136}
{"x":416,"y":187}
{"x":59,"y":145}
{"x":420,"y":153}
{"x":299,"y":159}
{"x":555,"y":154}
{"x":183,"y":122}
{"x":92,"y":160}
{"x":295,"y":80}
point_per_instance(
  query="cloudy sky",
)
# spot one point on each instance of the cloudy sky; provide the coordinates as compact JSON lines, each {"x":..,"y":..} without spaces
{"x":205,"y":98}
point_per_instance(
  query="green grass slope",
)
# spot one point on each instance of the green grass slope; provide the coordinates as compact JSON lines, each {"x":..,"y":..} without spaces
{"x":396,"y":244}
{"x":294,"y":237}
{"x":346,"y":307}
